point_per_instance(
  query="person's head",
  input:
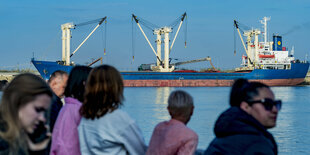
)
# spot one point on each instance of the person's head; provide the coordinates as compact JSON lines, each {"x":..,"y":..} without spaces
{"x":180,"y":106}
{"x":103,"y":92}
{"x":23,"y":104}
{"x":58,"y":82}
{"x":76,"y":82}
{"x":257,"y":100}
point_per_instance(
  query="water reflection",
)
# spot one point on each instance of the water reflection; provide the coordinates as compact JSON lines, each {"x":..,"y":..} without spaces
{"x":284,"y":93}
{"x":162,"y":94}
{"x":148,"y":106}
{"x":161,"y":103}
{"x":293,"y":124}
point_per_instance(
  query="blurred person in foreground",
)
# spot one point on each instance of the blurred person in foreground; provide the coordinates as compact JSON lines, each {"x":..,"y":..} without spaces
{"x":3,"y":84}
{"x":173,"y":137}
{"x":58,"y":83}
{"x":242,"y":129}
{"x":104,"y":127}
{"x":65,"y":140}
{"x":24,"y":103}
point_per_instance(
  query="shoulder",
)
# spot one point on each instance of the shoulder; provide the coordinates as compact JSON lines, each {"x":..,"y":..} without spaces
{"x":120,"y":115}
{"x":4,"y":146}
{"x":261,"y":145}
{"x":72,"y":101}
{"x":115,"y":119}
{"x":71,"y":107}
{"x":240,"y":144}
{"x":185,"y":130}
{"x":56,"y":102}
{"x":161,"y":124}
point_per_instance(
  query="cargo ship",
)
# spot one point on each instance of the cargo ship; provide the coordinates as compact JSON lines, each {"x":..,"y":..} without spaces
{"x":265,"y":61}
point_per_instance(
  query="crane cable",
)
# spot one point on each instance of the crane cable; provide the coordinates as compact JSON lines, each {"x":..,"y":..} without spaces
{"x":185,"y":31}
{"x":105,"y":37}
{"x":133,"y":39}
{"x":234,"y":40}
{"x":241,"y":27}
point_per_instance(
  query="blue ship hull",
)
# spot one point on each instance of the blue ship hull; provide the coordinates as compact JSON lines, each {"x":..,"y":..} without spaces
{"x":272,"y":77}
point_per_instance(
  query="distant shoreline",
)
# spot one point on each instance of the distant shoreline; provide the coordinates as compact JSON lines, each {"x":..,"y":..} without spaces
{"x":306,"y":81}
{"x":10,"y":75}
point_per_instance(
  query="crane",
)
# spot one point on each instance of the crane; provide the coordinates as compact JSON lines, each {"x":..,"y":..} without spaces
{"x":194,"y":61}
{"x":148,"y":67}
{"x":66,"y":37}
{"x":249,"y":34}
{"x":161,"y":65}
{"x":99,"y":59}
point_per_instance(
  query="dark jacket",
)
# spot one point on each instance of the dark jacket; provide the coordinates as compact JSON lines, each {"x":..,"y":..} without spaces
{"x":4,"y":145}
{"x":56,"y":105}
{"x":239,"y":133}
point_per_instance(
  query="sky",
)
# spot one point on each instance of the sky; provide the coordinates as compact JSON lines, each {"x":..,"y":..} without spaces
{"x":31,"y":28}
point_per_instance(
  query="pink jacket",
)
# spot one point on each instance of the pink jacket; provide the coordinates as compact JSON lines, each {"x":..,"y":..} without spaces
{"x":172,"y":137}
{"x":65,"y":140}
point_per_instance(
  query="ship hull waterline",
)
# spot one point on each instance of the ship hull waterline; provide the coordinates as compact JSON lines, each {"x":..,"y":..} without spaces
{"x":271,"y":77}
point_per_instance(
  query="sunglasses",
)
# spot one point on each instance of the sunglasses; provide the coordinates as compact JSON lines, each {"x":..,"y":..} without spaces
{"x":268,"y":103}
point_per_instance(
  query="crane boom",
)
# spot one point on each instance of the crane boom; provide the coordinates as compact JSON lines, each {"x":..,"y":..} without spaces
{"x":237,"y":27}
{"x":194,"y":61}
{"x":101,"y":21}
{"x":246,"y":51}
{"x":99,"y":59}
{"x":89,"y":22}
{"x":137,"y":21}
{"x":66,"y":37}
{"x":183,"y":16}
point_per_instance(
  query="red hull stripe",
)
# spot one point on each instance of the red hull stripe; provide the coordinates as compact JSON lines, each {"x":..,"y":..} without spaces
{"x":205,"y":83}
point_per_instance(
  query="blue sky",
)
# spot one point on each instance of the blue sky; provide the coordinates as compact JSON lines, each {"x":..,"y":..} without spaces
{"x":33,"y":27}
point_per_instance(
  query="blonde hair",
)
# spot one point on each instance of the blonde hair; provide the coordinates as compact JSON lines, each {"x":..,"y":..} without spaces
{"x":180,"y":103}
{"x":20,"y":91}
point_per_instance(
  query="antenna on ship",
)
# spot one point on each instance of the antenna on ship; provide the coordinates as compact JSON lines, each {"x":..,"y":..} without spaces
{"x":292,"y":51}
{"x":264,"y":22}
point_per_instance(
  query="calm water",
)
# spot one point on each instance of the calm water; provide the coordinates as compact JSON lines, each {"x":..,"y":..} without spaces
{"x":292,"y":133}
{"x":148,"y":107}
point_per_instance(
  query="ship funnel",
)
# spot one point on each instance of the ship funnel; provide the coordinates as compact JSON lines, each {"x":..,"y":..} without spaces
{"x":277,"y":43}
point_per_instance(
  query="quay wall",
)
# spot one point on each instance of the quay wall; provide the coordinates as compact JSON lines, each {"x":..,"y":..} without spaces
{"x":10,"y":75}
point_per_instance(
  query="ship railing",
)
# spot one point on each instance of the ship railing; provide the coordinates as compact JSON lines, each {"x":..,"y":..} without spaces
{"x":274,"y":66}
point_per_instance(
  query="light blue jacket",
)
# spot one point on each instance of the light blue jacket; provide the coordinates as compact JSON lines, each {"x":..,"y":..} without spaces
{"x":113,"y":133}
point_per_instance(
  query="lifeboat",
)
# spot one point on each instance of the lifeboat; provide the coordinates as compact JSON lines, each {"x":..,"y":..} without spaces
{"x":266,"y":56}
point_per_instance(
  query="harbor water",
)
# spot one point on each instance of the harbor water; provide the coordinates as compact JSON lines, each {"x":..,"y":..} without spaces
{"x":148,"y":105}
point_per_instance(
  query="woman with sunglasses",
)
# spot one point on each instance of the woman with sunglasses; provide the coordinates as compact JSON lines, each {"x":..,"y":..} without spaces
{"x":242,"y":129}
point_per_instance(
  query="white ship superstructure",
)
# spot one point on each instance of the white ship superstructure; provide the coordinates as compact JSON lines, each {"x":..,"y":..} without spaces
{"x":264,"y":54}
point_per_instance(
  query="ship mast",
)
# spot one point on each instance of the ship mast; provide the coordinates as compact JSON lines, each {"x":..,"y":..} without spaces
{"x":66,"y":36}
{"x":264,"y":22}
